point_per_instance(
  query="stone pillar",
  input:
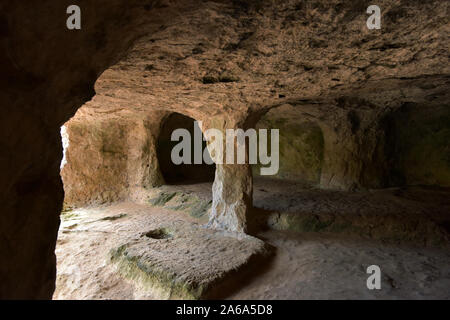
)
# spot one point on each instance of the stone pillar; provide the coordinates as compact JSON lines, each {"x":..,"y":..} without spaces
{"x":232,"y":188}
{"x":232,"y":197}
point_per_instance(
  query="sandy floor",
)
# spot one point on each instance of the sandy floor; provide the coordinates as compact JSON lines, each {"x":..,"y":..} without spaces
{"x":315,"y":265}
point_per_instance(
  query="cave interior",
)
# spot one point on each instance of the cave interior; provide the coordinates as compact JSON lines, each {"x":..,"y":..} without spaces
{"x":95,"y":208}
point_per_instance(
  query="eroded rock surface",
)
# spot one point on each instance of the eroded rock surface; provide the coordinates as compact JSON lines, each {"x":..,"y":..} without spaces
{"x":229,"y":60}
{"x":184,"y":261}
{"x":307,"y":265}
{"x":227,"y":64}
{"x":149,"y":253}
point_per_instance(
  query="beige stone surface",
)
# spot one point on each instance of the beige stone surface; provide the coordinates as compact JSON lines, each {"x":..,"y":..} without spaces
{"x":230,"y":60}
{"x":227,"y":66}
{"x":306,"y":265}
{"x":150,"y":253}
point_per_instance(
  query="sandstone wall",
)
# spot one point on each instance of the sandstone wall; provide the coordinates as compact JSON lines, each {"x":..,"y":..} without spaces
{"x":108,"y":158}
{"x":363,"y":147}
{"x":419,"y":147}
{"x":208,"y":59}
{"x":47,"y":73}
{"x":301,"y":147}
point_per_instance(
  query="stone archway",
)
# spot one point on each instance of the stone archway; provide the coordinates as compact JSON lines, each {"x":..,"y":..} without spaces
{"x":181,"y":173}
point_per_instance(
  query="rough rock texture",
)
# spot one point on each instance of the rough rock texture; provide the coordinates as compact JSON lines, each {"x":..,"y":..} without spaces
{"x":314,"y":265}
{"x":160,"y":253}
{"x":357,"y":144}
{"x":47,"y":73}
{"x":196,"y":199}
{"x":184,"y":261}
{"x":413,"y":215}
{"x":232,"y":197}
{"x":110,"y":157}
{"x":235,"y":62}
{"x":420,"y":151}
{"x":335,"y":268}
{"x":224,"y":59}
{"x":301,"y":145}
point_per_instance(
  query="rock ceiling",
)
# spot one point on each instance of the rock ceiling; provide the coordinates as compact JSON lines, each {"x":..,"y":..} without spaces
{"x":221,"y":58}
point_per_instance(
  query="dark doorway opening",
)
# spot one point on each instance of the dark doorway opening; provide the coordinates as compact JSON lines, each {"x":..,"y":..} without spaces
{"x":182,"y":173}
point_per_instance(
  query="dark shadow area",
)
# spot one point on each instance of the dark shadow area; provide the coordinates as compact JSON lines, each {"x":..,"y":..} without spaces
{"x":182,"y":173}
{"x":255,"y":268}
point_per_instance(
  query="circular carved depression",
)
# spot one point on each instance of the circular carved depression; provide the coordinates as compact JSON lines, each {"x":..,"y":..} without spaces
{"x":161,"y":233}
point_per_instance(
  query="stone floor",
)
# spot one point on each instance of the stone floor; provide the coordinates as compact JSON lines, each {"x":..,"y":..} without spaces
{"x":417,"y":215}
{"x":162,"y":254}
{"x":158,"y":249}
{"x":181,"y":260}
